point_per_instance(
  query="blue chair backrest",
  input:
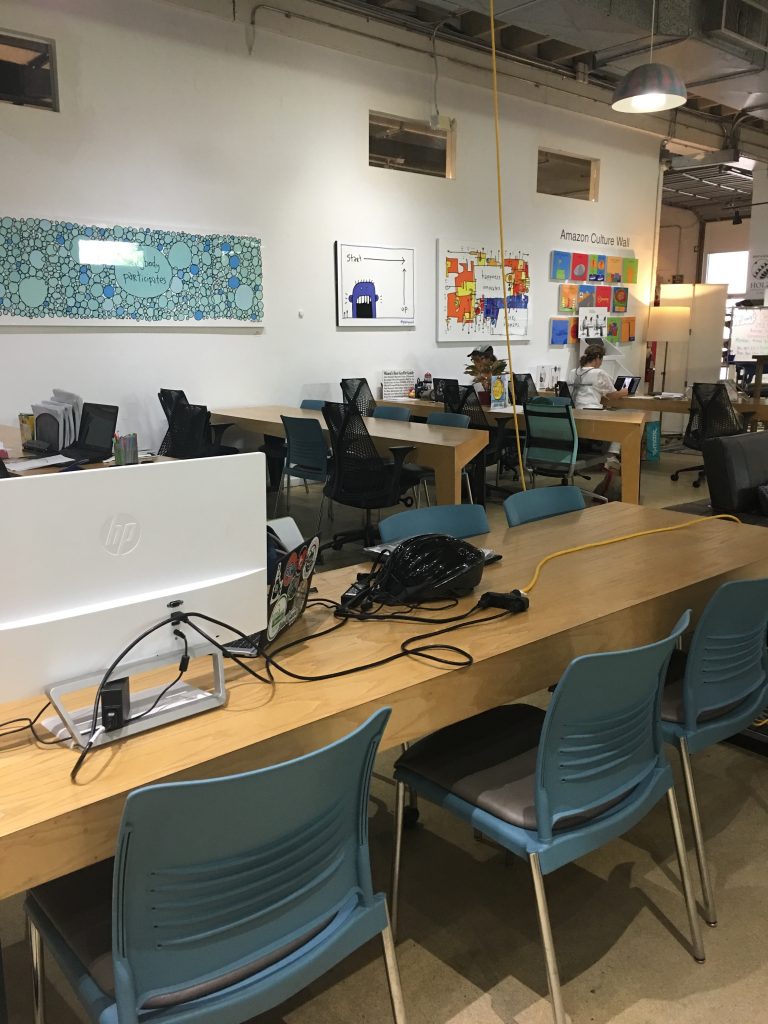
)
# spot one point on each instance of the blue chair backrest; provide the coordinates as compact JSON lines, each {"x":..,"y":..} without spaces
{"x":448,"y":419}
{"x":312,"y":403}
{"x":392,"y":412}
{"x":727,"y":657}
{"x":550,"y":432}
{"x":541,"y":503}
{"x":455,"y":520}
{"x":212,"y":877}
{"x":602,"y":732}
{"x":307,"y":446}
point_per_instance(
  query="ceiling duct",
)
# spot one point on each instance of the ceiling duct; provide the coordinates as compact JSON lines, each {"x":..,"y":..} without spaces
{"x":744,"y":22}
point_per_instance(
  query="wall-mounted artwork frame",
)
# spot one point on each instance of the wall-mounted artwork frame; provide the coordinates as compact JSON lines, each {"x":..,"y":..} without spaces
{"x":470,"y":296}
{"x":374,"y":286}
{"x":60,"y":273}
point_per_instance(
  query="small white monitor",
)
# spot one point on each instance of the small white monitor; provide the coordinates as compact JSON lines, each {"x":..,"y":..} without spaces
{"x":93,"y":558}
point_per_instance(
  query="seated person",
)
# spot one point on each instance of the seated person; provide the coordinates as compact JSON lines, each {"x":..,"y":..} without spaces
{"x":592,"y":388}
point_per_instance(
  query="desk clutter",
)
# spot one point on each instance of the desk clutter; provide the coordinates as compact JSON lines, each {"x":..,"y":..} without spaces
{"x":66,"y":428}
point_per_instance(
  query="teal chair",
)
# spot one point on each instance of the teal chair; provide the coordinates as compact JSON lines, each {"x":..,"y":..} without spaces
{"x":455,"y":520}
{"x":552,"y":441}
{"x":226,"y":896}
{"x":392,"y":412}
{"x":306,"y":455}
{"x":527,"y":506}
{"x":717,"y":689}
{"x":552,"y":786}
{"x":312,"y":403}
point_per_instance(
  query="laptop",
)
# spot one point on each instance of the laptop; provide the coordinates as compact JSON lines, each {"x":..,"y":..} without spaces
{"x":630,"y":383}
{"x":525,"y":389}
{"x":286,"y":601}
{"x":96,"y":434}
{"x":438,"y":385}
{"x":562,"y":390}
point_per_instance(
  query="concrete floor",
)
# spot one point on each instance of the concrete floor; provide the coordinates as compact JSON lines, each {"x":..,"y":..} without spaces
{"x":469,"y":948}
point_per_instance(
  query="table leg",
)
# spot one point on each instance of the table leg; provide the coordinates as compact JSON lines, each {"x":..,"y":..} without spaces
{"x":447,"y":479}
{"x":3,"y":998}
{"x":631,"y":446}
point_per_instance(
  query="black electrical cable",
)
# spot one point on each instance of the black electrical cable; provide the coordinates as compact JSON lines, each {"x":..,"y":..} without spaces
{"x":183,"y":666}
{"x":28,"y":724}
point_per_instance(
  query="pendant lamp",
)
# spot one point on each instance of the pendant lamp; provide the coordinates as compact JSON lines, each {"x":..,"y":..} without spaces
{"x":649,"y":87}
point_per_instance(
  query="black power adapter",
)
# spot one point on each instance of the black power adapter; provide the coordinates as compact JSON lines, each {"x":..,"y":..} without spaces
{"x":515,"y":601}
{"x":115,"y":704}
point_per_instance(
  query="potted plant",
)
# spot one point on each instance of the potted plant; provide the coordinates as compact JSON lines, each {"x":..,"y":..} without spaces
{"x":483,"y":365}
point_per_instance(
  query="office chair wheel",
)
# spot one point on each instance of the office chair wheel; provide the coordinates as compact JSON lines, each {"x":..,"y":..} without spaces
{"x":697,"y":483}
{"x":410,"y":817}
{"x":675,"y":476}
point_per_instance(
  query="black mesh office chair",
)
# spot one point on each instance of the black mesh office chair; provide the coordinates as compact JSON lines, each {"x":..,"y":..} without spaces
{"x":183,"y":429}
{"x":359,"y":476}
{"x":524,"y":388}
{"x":712,"y":415}
{"x":463,"y":399}
{"x":355,"y":391}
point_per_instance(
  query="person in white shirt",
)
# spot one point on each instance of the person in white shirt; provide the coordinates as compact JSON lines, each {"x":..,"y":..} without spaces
{"x":592,"y":388}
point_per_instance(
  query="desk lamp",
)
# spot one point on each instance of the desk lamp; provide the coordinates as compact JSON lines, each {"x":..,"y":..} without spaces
{"x":670,"y":324}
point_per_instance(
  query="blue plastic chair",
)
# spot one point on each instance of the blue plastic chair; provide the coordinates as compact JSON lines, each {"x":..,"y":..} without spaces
{"x":226,"y":896}
{"x":718,"y":689}
{"x":552,"y":441}
{"x":527,"y":506}
{"x":455,"y":520}
{"x":392,"y":412}
{"x":306,"y":455}
{"x":448,"y":419}
{"x":312,"y":403}
{"x":552,"y":786}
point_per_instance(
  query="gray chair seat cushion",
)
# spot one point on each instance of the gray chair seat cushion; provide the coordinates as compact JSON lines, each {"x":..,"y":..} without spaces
{"x":488,"y":760}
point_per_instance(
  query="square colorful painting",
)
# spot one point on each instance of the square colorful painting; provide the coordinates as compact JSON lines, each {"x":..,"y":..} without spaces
{"x":568,"y":298}
{"x":470,"y":293}
{"x":560,"y":266}
{"x":597,"y":268}
{"x":59,"y":272}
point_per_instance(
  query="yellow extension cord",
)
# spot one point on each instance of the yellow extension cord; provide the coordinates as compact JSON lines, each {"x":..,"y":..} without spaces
{"x":501,"y":234}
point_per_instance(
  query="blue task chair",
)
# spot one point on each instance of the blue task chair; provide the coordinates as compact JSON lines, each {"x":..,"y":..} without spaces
{"x":312,"y":403}
{"x":226,"y":896}
{"x":455,"y":520}
{"x":717,"y":689}
{"x":552,"y":441}
{"x":306,"y":455}
{"x":550,"y":787}
{"x":392,"y":412}
{"x":545,"y":502}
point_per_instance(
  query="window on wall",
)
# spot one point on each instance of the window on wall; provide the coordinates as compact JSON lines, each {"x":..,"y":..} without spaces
{"x":573,"y":177}
{"x":728,"y":268}
{"x":402,"y":144}
{"x":28,"y":72}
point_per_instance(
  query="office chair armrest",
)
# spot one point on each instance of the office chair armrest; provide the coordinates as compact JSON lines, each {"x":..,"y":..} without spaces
{"x":598,"y":499}
{"x":217,"y":430}
{"x":400,"y":451}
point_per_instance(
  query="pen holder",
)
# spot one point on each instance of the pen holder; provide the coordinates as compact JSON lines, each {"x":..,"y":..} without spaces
{"x":126,"y":450}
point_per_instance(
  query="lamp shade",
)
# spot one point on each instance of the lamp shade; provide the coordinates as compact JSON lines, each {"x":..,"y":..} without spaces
{"x":648,"y":88}
{"x":669,"y":323}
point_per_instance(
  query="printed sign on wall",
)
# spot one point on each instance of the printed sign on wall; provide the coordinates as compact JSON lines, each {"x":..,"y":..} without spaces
{"x":59,"y":272}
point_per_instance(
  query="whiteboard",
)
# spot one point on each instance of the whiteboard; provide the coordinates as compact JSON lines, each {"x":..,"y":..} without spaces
{"x":749,"y":334}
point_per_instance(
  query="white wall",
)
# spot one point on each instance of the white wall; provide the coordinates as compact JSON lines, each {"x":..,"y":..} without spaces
{"x":166,"y":120}
{"x":678,"y":244}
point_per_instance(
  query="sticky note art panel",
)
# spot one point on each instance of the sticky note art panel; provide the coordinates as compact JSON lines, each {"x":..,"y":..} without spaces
{"x":59,"y":272}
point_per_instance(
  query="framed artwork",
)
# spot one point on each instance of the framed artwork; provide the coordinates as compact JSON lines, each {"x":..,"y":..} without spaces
{"x":470,"y":296}
{"x":620,"y":300}
{"x":374,"y":286}
{"x":568,"y":298}
{"x":560,"y":266}
{"x":614,"y":269}
{"x":573,"y":330}
{"x":586,"y":295}
{"x":603,"y":296}
{"x":559,"y":331}
{"x":628,"y":326}
{"x":596,"y":268}
{"x":55,"y":272}
{"x":629,"y":271}
{"x":592,"y":323}
{"x":579,"y":266}
{"x":613,"y":329}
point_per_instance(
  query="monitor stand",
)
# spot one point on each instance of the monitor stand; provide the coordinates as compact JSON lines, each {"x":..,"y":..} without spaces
{"x":182,"y":701}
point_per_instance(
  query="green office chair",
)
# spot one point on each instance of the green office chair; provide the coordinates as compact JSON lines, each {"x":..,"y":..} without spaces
{"x":552,"y":442}
{"x":552,"y":786}
{"x":226,"y":896}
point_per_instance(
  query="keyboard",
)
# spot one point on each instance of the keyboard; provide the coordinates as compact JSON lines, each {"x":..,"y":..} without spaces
{"x":247,"y":646}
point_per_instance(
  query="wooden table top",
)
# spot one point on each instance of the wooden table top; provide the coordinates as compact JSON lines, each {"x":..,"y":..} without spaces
{"x":599,"y":599}
{"x":625,"y":417}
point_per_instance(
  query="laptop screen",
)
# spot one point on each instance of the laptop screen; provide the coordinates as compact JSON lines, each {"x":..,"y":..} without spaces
{"x":97,"y":426}
{"x":630,"y":383}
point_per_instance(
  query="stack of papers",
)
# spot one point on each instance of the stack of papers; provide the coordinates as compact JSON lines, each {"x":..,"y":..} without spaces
{"x":27,"y":465}
{"x":671,"y":394}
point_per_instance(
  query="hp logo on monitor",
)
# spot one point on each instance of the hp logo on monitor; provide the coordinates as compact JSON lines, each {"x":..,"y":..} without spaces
{"x":120,"y":534}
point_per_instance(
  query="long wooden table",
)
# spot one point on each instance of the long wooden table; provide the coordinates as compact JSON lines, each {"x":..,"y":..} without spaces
{"x":757,"y":410}
{"x":624,"y":426}
{"x":446,"y":450}
{"x":602,"y":599}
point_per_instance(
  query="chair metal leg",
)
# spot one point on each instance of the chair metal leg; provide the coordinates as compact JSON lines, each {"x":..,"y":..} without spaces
{"x":38,"y":975}
{"x":411,"y":814}
{"x":685,"y":876}
{"x":279,"y":491}
{"x":393,"y":976}
{"x":426,"y":492}
{"x":465,"y":478}
{"x":710,"y":914}
{"x":306,"y":486}
{"x":396,"y":850}
{"x":553,"y":975}
{"x":288,"y":491}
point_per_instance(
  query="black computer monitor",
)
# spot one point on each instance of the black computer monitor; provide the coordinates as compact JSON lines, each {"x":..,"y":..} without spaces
{"x":525,"y":389}
{"x":97,"y":426}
